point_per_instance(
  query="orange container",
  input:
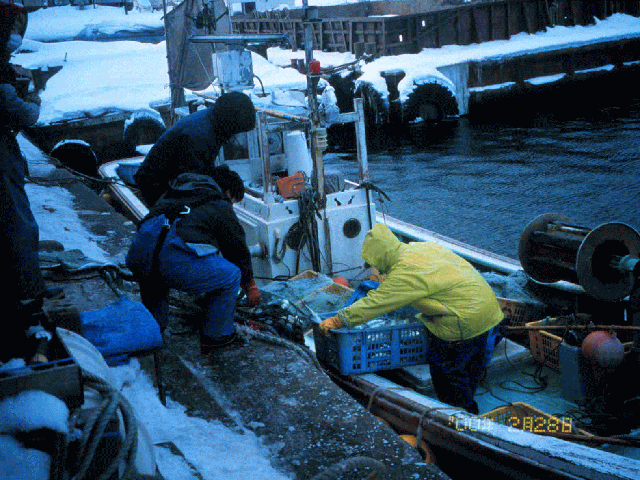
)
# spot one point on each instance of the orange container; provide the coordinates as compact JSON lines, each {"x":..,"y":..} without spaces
{"x":292,"y":186}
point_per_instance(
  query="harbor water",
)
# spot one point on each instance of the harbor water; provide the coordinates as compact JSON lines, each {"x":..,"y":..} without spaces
{"x":483,"y":181}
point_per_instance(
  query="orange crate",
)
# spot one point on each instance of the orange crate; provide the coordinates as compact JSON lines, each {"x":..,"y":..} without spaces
{"x":519,"y":313}
{"x":545,"y":346}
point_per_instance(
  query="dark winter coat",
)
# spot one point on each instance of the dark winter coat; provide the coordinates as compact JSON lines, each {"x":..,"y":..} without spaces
{"x":211,"y":219}
{"x":19,"y":243}
{"x":193,"y":143}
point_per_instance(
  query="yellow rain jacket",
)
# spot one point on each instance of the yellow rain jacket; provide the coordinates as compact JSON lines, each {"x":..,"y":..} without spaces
{"x":455,"y":301}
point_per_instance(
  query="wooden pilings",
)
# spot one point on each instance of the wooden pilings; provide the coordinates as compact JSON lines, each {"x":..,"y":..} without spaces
{"x":358,"y":30}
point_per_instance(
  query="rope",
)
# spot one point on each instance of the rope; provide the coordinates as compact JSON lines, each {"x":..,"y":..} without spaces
{"x":308,"y":210}
{"x":95,"y":427}
{"x":382,"y":389}
{"x":304,"y":353}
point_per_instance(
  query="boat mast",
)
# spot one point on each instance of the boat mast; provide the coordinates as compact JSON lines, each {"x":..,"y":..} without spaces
{"x":317,"y":134}
{"x":177,"y":92}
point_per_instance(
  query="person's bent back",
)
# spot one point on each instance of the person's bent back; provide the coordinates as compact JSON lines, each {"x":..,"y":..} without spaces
{"x":193,"y":143}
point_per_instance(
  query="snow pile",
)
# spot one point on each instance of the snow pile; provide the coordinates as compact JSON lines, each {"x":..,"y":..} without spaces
{"x":22,"y":463}
{"x":71,"y":233}
{"x":98,"y":77}
{"x":68,"y":22}
{"x":32,"y":410}
{"x":27,"y":411}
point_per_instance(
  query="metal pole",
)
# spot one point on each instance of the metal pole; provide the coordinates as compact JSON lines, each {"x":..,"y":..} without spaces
{"x":266,"y":158}
{"x":361,"y":139}
{"x":312,"y":98}
{"x":177,"y":94}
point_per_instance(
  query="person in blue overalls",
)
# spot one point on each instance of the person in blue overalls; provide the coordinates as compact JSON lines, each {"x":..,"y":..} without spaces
{"x":192,"y":241}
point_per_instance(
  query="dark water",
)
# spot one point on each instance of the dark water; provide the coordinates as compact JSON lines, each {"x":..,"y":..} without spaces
{"x":482,"y":181}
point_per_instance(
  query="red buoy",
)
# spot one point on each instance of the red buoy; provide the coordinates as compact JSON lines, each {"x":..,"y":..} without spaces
{"x":603,"y":348}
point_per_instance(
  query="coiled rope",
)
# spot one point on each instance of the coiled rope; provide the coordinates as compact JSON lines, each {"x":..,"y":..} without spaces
{"x":112,"y":403}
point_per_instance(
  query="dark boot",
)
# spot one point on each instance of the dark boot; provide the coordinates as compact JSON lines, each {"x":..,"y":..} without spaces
{"x":210,"y":345}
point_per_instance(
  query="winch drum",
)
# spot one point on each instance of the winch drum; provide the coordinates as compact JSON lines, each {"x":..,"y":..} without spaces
{"x":552,"y":249}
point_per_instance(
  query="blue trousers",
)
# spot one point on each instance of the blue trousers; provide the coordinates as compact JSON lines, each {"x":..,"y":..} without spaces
{"x":181,"y":268}
{"x":456,"y":368}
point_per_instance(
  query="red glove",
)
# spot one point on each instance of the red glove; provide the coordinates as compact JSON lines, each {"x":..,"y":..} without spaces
{"x":252,"y":292}
{"x":331,"y":323}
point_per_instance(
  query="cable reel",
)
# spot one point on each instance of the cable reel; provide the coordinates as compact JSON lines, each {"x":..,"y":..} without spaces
{"x":603,"y":260}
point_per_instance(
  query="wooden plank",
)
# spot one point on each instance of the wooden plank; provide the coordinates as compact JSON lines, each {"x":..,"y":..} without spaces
{"x":447,"y":30}
{"x":482,"y":19}
{"x":530,"y":13}
{"x":466,"y":28}
{"x":514,"y":18}
{"x":499,"y":22}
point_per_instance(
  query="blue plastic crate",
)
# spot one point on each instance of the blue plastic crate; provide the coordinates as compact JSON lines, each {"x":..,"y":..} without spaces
{"x":369,"y":350}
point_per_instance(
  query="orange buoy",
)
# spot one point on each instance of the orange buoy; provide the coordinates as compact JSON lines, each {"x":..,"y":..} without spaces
{"x":341,"y":281}
{"x":603,"y":348}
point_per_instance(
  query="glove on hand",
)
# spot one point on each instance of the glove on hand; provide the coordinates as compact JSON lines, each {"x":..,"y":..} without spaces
{"x":33,"y":97}
{"x":330,"y":324}
{"x":252,"y":292}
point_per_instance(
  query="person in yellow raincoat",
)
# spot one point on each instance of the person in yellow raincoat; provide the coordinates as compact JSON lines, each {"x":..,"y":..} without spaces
{"x":457,"y":306}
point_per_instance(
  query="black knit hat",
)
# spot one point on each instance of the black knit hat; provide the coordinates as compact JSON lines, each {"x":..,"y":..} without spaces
{"x":234,"y":113}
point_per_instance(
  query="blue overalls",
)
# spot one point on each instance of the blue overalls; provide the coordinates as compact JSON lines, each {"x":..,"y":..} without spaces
{"x":181,"y":267}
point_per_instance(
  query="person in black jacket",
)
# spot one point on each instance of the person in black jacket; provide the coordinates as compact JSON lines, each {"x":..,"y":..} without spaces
{"x":193,"y":143}
{"x":23,"y":287}
{"x":192,"y":241}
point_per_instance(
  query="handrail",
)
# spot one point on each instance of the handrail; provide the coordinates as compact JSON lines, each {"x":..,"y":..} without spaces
{"x":273,"y":113}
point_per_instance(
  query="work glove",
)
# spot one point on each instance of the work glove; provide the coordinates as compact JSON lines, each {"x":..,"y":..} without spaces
{"x":33,"y":97}
{"x":252,"y":293}
{"x":331,"y":323}
{"x":376,"y":276}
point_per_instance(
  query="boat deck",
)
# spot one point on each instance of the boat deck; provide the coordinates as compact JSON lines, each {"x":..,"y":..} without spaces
{"x":514,"y":377}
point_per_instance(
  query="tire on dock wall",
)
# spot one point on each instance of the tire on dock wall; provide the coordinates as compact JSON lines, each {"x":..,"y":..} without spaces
{"x":375,"y":108}
{"x":144,"y":127}
{"x":344,"y":87}
{"x":76,"y":155}
{"x":431,"y":102}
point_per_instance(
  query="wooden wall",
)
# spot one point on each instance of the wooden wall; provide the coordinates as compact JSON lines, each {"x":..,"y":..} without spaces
{"x":363,"y":30}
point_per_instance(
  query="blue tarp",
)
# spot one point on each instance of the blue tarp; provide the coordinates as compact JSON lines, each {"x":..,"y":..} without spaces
{"x":121,"y":328}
